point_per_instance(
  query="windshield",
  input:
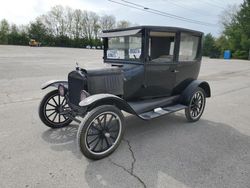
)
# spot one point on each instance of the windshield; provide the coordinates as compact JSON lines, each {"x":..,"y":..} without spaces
{"x":125,"y":47}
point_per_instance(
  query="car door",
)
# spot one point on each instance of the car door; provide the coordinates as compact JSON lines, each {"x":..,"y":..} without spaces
{"x":189,"y":59}
{"x":160,"y":72}
{"x":160,"y":79}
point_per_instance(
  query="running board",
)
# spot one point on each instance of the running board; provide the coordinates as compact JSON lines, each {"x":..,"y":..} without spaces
{"x":147,"y":105}
{"x":157,"y":112}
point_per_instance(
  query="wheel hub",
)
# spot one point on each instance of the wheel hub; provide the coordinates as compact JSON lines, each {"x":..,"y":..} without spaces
{"x":196,"y":103}
{"x":59,"y":109}
{"x":107,"y":135}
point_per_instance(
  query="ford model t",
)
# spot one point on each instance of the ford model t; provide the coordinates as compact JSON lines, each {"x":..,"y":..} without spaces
{"x":153,"y":71}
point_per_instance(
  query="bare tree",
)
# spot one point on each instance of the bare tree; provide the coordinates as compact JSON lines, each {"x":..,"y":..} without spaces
{"x":89,"y":24}
{"x":56,"y":20}
{"x":69,"y":22}
{"x":61,"y":21}
{"x":96,"y":25}
{"x":123,"y":24}
{"x":77,"y":18}
{"x":107,"y":22}
{"x":56,"y":17}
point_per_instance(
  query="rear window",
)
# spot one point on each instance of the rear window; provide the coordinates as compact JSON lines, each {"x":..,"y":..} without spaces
{"x":188,"y":47}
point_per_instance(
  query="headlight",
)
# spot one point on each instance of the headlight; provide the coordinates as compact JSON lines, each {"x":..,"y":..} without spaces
{"x":61,"y":90}
{"x":83,"y":95}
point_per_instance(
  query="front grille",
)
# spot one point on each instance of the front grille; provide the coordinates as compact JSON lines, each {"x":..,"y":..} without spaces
{"x":77,"y":83}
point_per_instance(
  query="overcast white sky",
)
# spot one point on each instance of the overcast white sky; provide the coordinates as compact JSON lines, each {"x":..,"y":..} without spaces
{"x":24,"y":11}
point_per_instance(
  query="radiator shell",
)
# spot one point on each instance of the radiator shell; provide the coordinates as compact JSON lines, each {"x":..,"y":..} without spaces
{"x":109,"y":80}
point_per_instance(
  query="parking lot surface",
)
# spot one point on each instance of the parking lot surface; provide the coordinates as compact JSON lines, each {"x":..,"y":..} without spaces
{"x":165,"y":152}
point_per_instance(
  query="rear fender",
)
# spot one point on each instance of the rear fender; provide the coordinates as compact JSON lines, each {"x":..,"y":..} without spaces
{"x":106,"y":99}
{"x":191,"y":88}
{"x":54,"y":83}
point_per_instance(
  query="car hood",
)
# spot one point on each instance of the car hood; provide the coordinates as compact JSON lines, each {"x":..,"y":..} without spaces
{"x":103,"y":71}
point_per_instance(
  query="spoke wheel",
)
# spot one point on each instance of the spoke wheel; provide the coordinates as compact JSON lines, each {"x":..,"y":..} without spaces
{"x":100,"y":132}
{"x":196,"y":105}
{"x":50,"y":110}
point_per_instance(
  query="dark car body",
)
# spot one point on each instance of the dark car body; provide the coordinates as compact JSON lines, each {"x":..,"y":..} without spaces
{"x":141,"y":78}
{"x":151,"y":71}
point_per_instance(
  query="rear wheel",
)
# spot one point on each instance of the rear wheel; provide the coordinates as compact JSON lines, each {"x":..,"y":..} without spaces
{"x":196,"y":105}
{"x":50,"y":110}
{"x":101,"y":132}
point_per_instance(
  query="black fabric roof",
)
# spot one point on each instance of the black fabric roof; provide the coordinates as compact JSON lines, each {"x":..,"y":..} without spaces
{"x":157,"y":28}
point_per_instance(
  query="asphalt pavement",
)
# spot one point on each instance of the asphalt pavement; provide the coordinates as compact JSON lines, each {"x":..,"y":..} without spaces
{"x":165,"y":152}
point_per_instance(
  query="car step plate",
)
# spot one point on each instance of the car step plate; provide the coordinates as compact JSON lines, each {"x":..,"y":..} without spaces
{"x":157,"y":112}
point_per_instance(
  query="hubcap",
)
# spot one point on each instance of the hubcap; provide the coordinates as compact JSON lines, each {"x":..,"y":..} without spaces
{"x":103,"y":133}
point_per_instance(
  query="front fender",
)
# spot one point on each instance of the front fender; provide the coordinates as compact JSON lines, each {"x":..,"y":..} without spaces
{"x":106,"y":99}
{"x":54,"y":83}
{"x":190,"y":89}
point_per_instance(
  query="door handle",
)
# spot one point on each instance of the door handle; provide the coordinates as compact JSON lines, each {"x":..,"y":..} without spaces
{"x":174,"y":71}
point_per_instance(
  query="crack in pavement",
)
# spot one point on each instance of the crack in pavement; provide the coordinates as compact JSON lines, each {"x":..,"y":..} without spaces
{"x":132,"y":154}
{"x":131,"y":170}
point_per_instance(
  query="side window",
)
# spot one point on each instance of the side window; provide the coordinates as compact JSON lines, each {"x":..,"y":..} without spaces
{"x":125,"y":47}
{"x":188,"y":47}
{"x":161,"y":47}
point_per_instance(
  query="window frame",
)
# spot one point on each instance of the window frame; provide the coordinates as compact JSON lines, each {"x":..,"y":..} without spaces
{"x":199,"y":49}
{"x":125,"y":61}
{"x":173,"y":62}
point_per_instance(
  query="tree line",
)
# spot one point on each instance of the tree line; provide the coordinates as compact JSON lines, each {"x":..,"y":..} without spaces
{"x":66,"y":27}
{"x":235,"y":36}
{"x":61,"y":26}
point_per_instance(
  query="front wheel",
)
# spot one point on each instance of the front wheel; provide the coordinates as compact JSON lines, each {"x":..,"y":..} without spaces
{"x":50,"y":110}
{"x":100,"y":132}
{"x":196,"y":105}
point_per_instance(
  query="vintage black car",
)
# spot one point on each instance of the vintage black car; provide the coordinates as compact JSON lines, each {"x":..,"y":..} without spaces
{"x":153,"y":71}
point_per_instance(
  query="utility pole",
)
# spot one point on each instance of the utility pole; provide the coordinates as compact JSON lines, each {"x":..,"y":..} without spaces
{"x":249,"y":55}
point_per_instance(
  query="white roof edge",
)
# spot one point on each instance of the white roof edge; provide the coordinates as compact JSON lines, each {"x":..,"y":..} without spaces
{"x":120,"y":33}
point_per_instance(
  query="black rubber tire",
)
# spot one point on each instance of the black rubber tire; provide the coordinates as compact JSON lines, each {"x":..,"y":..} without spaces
{"x":188,"y":110}
{"x":86,"y":123}
{"x":42,"y":113}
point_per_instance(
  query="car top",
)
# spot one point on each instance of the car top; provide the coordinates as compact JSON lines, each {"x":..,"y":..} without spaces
{"x":156,"y":28}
